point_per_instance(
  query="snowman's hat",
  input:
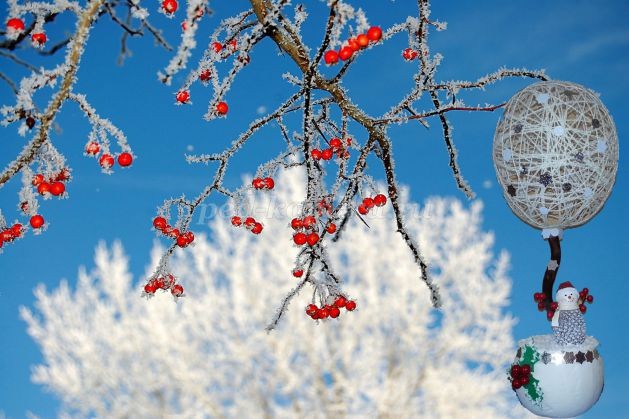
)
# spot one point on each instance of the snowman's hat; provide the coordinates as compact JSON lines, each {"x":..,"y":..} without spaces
{"x":566,"y":284}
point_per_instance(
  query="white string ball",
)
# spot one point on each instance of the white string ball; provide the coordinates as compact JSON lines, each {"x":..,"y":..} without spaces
{"x":555,"y":153}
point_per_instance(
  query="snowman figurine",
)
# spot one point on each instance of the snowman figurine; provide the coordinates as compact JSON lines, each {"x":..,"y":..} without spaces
{"x":568,"y":322}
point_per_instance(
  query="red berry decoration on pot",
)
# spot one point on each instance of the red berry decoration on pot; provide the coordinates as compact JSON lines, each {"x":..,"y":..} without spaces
{"x":125,"y":159}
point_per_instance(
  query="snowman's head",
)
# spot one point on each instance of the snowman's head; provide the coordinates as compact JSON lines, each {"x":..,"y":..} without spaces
{"x":567,"y":297}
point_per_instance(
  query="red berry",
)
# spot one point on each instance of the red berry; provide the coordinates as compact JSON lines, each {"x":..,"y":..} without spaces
{"x":37,"y":221}
{"x":257,"y":228}
{"x":92,"y":148}
{"x":297,"y":273}
{"x":233,"y":44}
{"x":554,"y":305}
{"x":526,"y":369}
{"x":363,"y":40}
{"x":583,"y":308}
{"x":327,"y":154}
{"x":250,"y":222}
{"x":296,"y":223}
{"x":184,"y":25}
{"x":125,"y":159}
{"x":189,"y":236}
{"x":222,"y":108}
{"x":323,"y":313}
{"x":159,"y":223}
{"x":205,"y":75}
{"x":257,"y":183}
{"x":350,"y":306}
{"x":236,"y":221}
{"x":159,"y":283}
{"x":345,"y":53}
{"x":331,"y":228}
{"x":16,"y":230}
{"x":542,"y":296}
{"x":177,"y":290}
{"x":536,"y":297}
{"x":516,"y":371}
{"x":311,"y":309}
{"x":316,"y":154}
{"x":299,"y":239}
{"x":181,"y":241}
{"x":541,"y":306}
{"x":183,"y":96}
{"x":57,"y":188}
{"x":334,"y":312}
{"x":380,"y":200}
{"x":362,"y":209}
{"x":550,"y":314}
{"x":340,"y":301}
{"x":586,"y":291}
{"x":6,"y":236}
{"x":15,"y":25}
{"x":269,"y":183}
{"x":374,"y":33}
{"x":39,"y":38}
{"x":409,"y":54}
{"x":312,"y":239}
{"x":37,"y":179}
{"x":353,"y":44}
{"x":150,"y":288}
{"x":335,"y":142}
{"x":525,"y":379}
{"x":43,"y":188}
{"x":517,"y":383}
{"x":309,"y":221}
{"x":174,"y":233}
{"x":106,"y":161}
{"x":368,"y":203}
{"x":170,"y":6}
{"x":331,"y":57}
{"x":217,"y":47}
{"x":590,"y":299}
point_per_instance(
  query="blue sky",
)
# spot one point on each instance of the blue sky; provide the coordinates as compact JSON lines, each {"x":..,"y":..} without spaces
{"x":580,"y":41}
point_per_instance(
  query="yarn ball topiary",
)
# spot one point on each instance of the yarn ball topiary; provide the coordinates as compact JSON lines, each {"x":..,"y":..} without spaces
{"x":555,"y":152}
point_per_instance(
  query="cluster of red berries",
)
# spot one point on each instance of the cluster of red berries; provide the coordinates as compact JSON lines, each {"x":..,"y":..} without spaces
{"x":167,"y":283}
{"x":520,"y":375}
{"x":182,"y":239}
{"x":15,"y":26}
{"x":409,"y":54}
{"x":584,"y":296}
{"x":10,"y":233}
{"x":336,"y":146}
{"x":263,"y":183}
{"x":106,"y":160}
{"x":374,"y":34}
{"x":333,"y":310}
{"x":368,"y":203}
{"x":53,"y":186}
{"x":250,"y":224}
{"x":306,"y":230}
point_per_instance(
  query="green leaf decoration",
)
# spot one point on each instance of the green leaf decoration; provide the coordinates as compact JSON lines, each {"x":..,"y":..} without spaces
{"x":531,"y":357}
